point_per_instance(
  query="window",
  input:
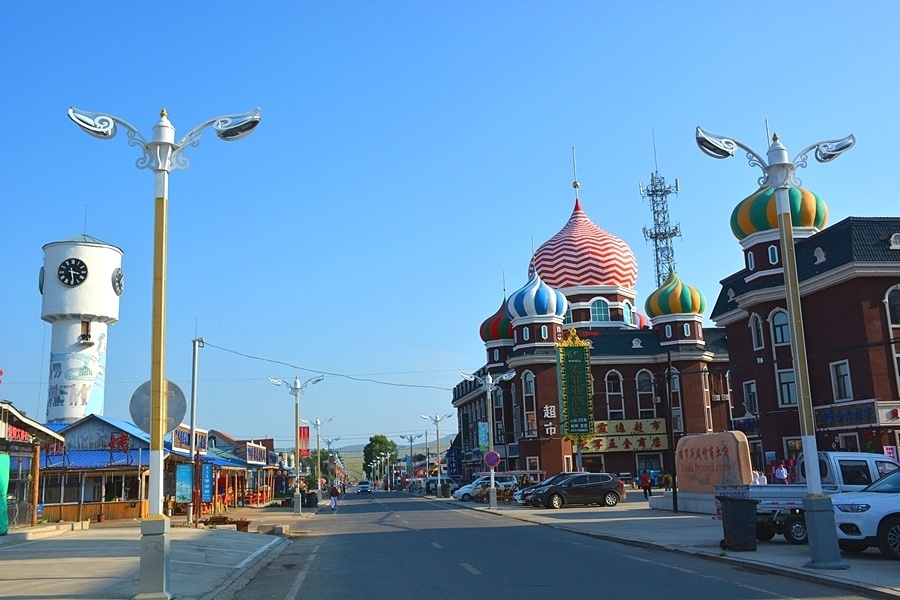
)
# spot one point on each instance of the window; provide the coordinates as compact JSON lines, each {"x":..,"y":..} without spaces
{"x":530,"y":403}
{"x":675,"y":396}
{"x":528,"y":384}
{"x":599,"y":310}
{"x":668,"y":331}
{"x":756,"y":332}
{"x":614,"y":396}
{"x":627,"y":314}
{"x":645,"y":405}
{"x":781,"y":331}
{"x":686,"y":328}
{"x":525,"y":334}
{"x":496,"y":354}
{"x":750,"y":262}
{"x":677,"y":424}
{"x":895,"y":242}
{"x":787,"y":390}
{"x":840,"y":381}
{"x":773,"y":255}
{"x":544,"y":332}
{"x":893,"y":303}
{"x":498,"y":398}
{"x":751,"y":406}
{"x":708,"y":413}
{"x":567,"y":318}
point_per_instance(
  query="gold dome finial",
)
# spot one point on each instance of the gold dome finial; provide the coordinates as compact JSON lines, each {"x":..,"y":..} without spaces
{"x":774,"y":137}
{"x":163,"y":112}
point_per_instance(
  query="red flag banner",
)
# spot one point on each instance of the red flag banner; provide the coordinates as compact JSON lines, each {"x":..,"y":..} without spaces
{"x":304,"y":441}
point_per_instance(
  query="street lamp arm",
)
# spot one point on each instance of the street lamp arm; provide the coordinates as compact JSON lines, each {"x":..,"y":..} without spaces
{"x":719,"y":146}
{"x":826,"y":151}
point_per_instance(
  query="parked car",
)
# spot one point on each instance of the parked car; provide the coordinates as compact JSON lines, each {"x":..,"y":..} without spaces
{"x":431,"y":484}
{"x":581,"y":488}
{"x":870,"y":517}
{"x":467,"y":492}
{"x":523,"y":495}
{"x":364,"y":487}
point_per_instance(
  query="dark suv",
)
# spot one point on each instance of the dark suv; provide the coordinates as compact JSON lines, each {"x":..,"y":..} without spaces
{"x":581,"y":488}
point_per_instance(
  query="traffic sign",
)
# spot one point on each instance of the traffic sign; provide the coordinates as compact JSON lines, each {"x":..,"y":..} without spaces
{"x":492,"y":459}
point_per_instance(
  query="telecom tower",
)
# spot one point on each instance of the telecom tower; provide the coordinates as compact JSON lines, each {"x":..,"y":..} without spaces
{"x":662,"y":233}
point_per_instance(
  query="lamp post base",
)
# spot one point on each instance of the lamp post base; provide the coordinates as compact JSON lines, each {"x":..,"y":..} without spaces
{"x":823,"y":544}
{"x":298,"y":503}
{"x":154,"y":570}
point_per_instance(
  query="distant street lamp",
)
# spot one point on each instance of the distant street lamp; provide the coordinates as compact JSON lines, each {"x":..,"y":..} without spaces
{"x":436,"y":419}
{"x":296,"y":391}
{"x":489,"y":385}
{"x":411,"y":437}
{"x":161,"y":155}
{"x":780,"y":173}
{"x":318,"y":425}
{"x":328,"y":443}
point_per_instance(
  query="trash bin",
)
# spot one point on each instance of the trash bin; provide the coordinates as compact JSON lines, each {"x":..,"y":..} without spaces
{"x":445,"y":490}
{"x":311,"y":500}
{"x":738,"y":523}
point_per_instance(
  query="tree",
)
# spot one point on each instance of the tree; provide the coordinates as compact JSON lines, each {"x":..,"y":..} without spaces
{"x":378,"y":445}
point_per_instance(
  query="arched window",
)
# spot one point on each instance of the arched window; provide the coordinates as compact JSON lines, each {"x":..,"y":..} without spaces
{"x":567,"y":318}
{"x":645,"y":404}
{"x":627,"y":314}
{"x":675,"y":395}
{"x":781,"y":331}
{"x":893,"y":304}
{"x":756,"y":332}
{"x":614,"y":395}
{"x":530,"y":404}
{"x":599,"y":310}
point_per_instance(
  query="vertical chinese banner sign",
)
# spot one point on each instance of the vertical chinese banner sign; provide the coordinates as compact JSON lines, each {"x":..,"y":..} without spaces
{"x":576,"y":406}
{"x":304,"y":441}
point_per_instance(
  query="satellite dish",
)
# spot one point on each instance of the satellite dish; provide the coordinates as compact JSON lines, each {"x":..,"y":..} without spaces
{"x":176,"y":407}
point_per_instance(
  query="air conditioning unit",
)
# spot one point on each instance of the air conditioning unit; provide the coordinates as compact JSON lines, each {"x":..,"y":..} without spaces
{"x":656,"y":399}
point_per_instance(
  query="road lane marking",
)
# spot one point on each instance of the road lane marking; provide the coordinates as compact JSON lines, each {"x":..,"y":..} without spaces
{"x":244,"y":562}
{"x":470,"y":568}
{"x":436,"y":545}
{"x":295,"y":588}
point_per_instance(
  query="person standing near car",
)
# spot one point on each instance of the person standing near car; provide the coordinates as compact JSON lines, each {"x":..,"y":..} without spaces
{"x":646,"y":484}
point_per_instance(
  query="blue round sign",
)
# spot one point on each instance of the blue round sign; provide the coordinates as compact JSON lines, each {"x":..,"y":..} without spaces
{"x":492,"y":459}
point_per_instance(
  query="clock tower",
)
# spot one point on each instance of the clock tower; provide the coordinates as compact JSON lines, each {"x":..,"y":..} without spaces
{"x":81,"y":281}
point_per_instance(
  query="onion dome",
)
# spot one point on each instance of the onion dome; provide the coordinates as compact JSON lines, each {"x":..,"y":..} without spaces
{"x":759,"y":211}
{"x":582,"y":254}
{"x":675,"y":297}
{"x":498,"y":326}
{"x":537,"y":299}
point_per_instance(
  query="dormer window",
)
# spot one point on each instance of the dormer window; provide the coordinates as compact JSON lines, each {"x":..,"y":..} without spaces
{"x":895,"y":241}
{"x":820,"y":256}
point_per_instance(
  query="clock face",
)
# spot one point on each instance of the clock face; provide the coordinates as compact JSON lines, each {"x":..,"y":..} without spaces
{"x":72,"y":272}
{"x":118,"y":281}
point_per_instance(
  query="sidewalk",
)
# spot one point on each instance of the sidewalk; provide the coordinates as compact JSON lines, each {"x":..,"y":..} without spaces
{"x":633,"y":522}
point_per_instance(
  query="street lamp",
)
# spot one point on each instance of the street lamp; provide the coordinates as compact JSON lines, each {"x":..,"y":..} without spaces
{"x":411,"y":437}
{"x":385,"y":459}
{"x":296,"y":391}
{"x":436,"y":419}
{"x":161,"y":155}
{"x":489,"y":385}
{"x":318,"y":425}
{"x":780,"y":173}
{"x":328,"y":444}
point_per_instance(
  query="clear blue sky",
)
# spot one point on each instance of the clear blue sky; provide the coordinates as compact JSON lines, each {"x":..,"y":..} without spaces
{"x":409,"y":153}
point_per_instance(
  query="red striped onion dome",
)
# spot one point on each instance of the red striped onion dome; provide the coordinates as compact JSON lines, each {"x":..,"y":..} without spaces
{"x":759,"y":211}
{"x":537,"y":299}
{"x":498,"y":326}
{"x":675,"y":297}
{"x":582,"y":254}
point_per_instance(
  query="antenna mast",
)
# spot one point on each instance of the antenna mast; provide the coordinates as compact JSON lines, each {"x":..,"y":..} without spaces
{"x":662,"y":232}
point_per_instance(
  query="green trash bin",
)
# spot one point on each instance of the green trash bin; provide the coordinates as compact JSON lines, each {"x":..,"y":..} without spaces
{"x":738,"y":523}
{"x":445,"y":490}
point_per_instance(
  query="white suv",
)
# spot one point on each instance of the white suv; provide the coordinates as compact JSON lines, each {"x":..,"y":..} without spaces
{"x":870,"y":517}
{"x":467,"y":492}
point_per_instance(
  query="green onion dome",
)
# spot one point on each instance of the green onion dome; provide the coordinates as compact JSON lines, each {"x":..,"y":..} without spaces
{"x":497,"y":327}
{"x":675,"y":297}
{"x":759,"y":211}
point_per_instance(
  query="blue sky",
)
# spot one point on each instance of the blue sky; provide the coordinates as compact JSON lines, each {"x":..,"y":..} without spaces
{"x":410,"y":155}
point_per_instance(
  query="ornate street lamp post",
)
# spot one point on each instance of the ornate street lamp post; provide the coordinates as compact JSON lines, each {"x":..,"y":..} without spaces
{"x":436,"y":419}
{"x":489,"y":385}
{"x":411,"y":437}
{"x":161,"y":155}
{"x":780,"y":173}
{"x":318,"y":425}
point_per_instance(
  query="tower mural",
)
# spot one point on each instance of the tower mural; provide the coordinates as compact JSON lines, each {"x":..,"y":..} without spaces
{"x":81,"y":281}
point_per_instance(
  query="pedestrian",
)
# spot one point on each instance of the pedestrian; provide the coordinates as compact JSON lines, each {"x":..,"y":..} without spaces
{"x":333,"y":493}
{"x":781,"y":474}
{"x":645,"y":484}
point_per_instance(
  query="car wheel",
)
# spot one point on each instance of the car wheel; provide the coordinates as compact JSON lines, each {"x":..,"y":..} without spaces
{"x":466,"y":497}
{"x":889,"y":537}
{"x":610,"y":499}
{"x":794,"y":530}
{"x":851,"y":548}
{"x":556,"y":501}
{"x":763,"y":533}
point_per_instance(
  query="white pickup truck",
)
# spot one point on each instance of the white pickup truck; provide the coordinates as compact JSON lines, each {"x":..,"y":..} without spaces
{"x":780,"y":508}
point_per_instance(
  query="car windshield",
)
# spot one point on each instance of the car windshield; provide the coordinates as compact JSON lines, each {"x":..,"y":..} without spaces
{"x":889,"y":484}
{"x":364,"y":483}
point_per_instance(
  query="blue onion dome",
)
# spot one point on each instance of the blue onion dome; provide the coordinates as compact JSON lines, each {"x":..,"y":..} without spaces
{"x":536,"y":299}
{"x":675,"y":297}
{"x":759,"y":211}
